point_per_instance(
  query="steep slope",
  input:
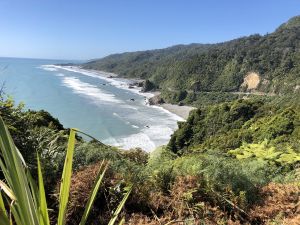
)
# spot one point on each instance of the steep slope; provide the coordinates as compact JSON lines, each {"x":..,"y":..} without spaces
{"x":274,"y":58}
{"x":142,"y":63}
{"x":234,"y":125}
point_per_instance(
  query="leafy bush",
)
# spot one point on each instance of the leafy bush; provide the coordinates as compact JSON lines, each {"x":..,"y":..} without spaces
{"x":203,"y":125}
{"x":265,"y":152}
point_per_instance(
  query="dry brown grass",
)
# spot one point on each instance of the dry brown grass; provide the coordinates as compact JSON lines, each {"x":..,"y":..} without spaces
{"x":183,"y":205}
{"x":281,"y":203}
{"x":81,"y":185}
{"x":186,"y":203}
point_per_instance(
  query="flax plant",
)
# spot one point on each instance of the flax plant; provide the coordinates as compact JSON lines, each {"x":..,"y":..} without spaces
{"x":23,"y":200}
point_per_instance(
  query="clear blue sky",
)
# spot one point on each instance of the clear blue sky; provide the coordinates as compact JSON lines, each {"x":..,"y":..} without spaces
{"x":85,"y":29}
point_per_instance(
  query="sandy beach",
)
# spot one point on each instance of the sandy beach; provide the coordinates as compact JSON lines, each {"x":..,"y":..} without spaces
{"x":181,"y":111}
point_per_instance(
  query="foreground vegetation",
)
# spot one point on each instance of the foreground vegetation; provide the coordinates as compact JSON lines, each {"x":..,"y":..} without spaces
{"x":230,"y":163}
{"x":25,"y":200}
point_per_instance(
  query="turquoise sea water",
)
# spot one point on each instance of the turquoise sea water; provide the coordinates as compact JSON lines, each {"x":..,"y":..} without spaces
{"x":96,"y":105}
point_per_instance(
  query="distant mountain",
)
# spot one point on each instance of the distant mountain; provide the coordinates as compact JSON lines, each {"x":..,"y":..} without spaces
{"x":269,"y":63}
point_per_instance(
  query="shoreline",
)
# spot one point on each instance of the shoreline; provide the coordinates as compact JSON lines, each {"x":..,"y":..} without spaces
{"x":182,"y":112}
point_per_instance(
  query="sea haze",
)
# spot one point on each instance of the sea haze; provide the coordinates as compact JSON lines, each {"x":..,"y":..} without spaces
{"x":97,"y":105}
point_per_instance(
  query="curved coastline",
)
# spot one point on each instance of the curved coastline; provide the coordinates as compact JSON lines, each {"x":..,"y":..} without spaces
{"x":179,"y":113}
{"x":148,"y":136}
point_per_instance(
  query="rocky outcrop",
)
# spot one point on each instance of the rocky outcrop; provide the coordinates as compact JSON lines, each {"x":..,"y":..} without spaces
{"x":156,"y":100}
{"x":251,"y":81}
{"x":147,"y":86}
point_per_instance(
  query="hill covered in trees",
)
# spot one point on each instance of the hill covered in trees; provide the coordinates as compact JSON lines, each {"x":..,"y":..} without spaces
{"x":229,"y":163}
{"x":268,"y":63}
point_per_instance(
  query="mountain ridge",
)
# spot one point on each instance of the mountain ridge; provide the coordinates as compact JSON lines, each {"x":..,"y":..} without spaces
{"x":220,"y":67}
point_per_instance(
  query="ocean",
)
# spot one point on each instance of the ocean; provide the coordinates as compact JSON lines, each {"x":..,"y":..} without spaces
{"x":95,"y":104}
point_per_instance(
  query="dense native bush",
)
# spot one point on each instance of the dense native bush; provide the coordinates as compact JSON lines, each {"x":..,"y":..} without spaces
{"x":285,"y":159}
{"x":174,"y":97}
{"x":227,"y":126}
{"x":213,"y":121}
{"x":219,"y":67}
{"x":193,"y":186}
{"x":36,"y":132}
{"x":214,"y":169}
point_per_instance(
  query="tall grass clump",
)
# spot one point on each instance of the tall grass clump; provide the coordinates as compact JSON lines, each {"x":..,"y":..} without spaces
{"x":23,"y":200}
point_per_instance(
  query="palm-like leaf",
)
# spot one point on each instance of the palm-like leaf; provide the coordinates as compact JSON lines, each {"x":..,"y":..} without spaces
{"x":27,"y":200}
{"x":119,"y":208}
{"x":23,"y":206}
{"x":66,"y":180}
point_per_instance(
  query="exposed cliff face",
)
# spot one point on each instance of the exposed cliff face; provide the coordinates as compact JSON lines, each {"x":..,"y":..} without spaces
{"x":251,"y":81}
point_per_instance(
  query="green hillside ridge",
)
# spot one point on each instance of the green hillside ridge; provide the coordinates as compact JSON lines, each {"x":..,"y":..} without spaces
{"x":231,"y":125}
{"x":213,"y":68}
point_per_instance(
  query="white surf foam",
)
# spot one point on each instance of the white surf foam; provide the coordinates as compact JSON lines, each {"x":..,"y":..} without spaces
{"x":147,"y":139}
{"x":120,"y":83}
{"x":157,"y":132}
{"x":89,"y":90}
{"x":48,"y":67}
{"x":117,"y":115}
{"x":115,"y":81}
{"x":139,"y":140}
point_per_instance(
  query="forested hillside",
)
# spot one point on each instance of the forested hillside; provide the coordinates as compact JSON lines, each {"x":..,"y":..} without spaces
{"x":271,"y":62}
{"x":229,"y":163}
{"x":233,"y":125}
